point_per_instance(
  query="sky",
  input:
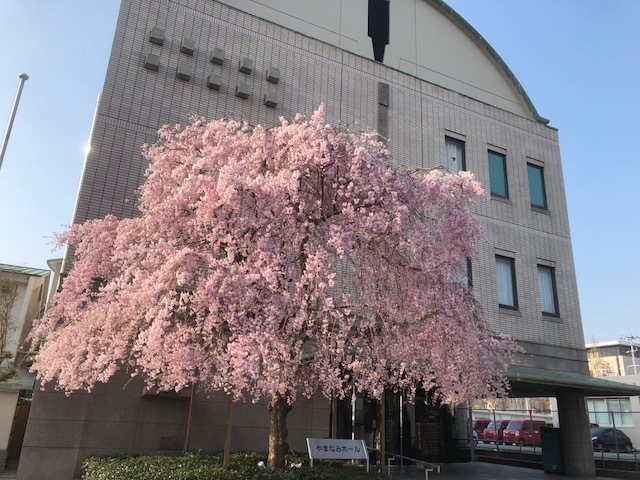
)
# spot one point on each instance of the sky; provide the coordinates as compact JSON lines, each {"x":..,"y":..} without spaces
{"x":578,"y":60}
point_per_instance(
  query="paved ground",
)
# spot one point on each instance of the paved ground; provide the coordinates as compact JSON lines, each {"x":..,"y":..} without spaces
{"x":484,"y":471}
{"x":454,"y":471}
{"x":11,"y":474}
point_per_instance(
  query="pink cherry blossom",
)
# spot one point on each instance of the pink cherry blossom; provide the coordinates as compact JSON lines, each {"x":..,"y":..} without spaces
{"x":277,"y":262}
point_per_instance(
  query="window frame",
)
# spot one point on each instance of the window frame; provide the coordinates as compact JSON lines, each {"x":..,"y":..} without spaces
{"x":514,"y":289}
{"x":554,"y":287}
{"x":460,"y":142}
{"x":543,"y":191}
{"x":617,"y":407}
{"x":504,"y":179}
{"x":465,"y":275}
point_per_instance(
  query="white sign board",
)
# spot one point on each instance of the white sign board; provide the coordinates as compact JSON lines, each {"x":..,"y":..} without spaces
{"x":337,"y":449}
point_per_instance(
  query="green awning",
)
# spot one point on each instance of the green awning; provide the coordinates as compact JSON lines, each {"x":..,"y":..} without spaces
{"x":535,"y":382}
{"x":18,"y":270}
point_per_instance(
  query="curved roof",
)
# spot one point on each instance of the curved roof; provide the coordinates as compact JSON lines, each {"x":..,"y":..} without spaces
{"x":426,"y":39}
{"x":465,"y":26}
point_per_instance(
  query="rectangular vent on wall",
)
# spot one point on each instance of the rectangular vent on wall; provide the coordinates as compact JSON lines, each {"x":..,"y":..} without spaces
{"x":273,"y":75}
{"x":188,"y":46}
{"x":214,"y":81}
{"x":246,"y":65}
{"x":271,"y":99}
{"x":156,"y":36}
{"x":152,"y":62}
{"x":183,"y":71}
{"x":217,"y":56}
{"x":243,"y":90}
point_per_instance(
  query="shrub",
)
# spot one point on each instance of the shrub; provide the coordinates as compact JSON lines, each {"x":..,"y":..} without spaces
{"x":195,"y":466}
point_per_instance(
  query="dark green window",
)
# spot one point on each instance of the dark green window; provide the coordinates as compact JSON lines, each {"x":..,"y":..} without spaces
{"x":536,"y":186}
{"x":498,"y":175}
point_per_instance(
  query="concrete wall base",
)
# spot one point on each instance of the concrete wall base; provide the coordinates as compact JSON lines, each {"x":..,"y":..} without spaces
{"x":576,"y":435}
{"x":3,"y":460}
{"x":123,"y":418}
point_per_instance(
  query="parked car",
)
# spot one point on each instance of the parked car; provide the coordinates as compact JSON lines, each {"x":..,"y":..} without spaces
{"x":604,"y":438}
{"x":523,"y":432}
{"x":494,"y":431}
{"x":479,"y":424}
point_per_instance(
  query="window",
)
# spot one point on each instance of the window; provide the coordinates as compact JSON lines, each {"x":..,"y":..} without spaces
{"x":536,"y":186}
{"x":548,"y":293}
{"x":607,"y":411}
{"x":506,"y":278}
{"x":498,"y":175}
{"x":464,"y":275}
{"x":455,"y":154}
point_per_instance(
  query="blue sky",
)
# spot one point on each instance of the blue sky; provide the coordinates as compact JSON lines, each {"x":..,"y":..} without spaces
{"x":578,"y":60}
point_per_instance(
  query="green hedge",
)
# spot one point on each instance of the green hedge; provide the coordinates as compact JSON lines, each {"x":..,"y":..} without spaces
{"x":194,"y":466}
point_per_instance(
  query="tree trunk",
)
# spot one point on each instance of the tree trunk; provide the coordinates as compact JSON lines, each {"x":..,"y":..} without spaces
{"x":226,"y":457}
{"x":187,"y":437}
{"x":383,"y":432}
{"x":334,"y":416}
{"x":278,"y":446}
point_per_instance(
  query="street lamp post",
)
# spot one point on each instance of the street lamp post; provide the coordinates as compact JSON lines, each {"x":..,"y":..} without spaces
{"x":23,"y":77}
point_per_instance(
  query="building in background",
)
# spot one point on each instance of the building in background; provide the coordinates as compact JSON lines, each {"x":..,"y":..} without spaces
{"x":616,"y":358}
{"x":421,"y":76}
{"x":23,"y":296}
{"x":618,"y":361}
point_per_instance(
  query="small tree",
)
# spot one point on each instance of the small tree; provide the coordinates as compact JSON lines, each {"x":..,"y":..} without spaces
{"x":8,"y":295}
{"x":274,"y":262}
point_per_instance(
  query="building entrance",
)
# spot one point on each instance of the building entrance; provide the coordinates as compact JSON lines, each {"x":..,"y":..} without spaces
{"x":416,"y":429}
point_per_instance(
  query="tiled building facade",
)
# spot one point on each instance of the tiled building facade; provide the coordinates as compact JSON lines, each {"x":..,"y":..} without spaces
{"x":136,"y":101}
{"x":172,"y":58}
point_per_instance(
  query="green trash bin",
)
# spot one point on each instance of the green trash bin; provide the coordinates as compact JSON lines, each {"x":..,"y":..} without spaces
{"x":552,"y":460}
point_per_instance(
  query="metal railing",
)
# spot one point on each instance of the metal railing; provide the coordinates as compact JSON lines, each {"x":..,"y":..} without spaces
{"x":428,"y":467}
{"x":610,"y":458}
{"x":613,"y":461}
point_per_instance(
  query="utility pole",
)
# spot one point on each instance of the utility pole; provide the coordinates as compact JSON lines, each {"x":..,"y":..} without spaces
{"x":23,"y":78}
{"x":632,"y":351}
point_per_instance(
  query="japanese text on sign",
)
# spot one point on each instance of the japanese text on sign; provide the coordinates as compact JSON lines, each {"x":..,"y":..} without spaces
{"x":331,"y":448}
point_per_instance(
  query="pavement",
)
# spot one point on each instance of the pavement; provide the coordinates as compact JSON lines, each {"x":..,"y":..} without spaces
{"x":483,"y":471}
{"x":11,"y":471}
{"x":452,"y":471}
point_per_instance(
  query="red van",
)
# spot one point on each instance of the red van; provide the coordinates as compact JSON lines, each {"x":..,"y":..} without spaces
{"x":479,"y":424}
{"x":523,"y":432}
{"x":494,"y":431}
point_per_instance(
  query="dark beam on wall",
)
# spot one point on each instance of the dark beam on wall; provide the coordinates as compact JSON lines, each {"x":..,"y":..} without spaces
{"x":379,"y":27}
{"x":383,"y":110}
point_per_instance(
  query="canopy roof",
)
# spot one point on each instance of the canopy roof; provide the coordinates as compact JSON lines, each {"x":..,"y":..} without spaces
{"x":537,"y":382}
{"x":19,"y":270}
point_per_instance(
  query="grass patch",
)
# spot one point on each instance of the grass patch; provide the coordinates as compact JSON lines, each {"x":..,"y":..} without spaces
{"x":196,"y":466}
